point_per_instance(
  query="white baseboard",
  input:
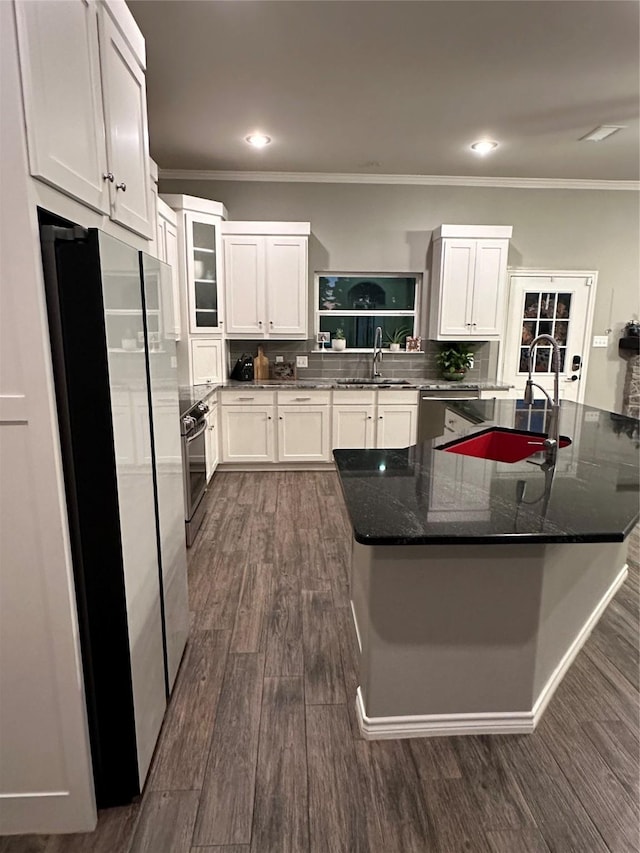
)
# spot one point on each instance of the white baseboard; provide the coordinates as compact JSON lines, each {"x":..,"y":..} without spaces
{"x":507,"y":722}
{"x":355,"y":625}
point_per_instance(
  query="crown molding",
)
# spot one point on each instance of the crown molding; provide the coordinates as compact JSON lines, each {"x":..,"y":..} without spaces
{"x":406,"y":180}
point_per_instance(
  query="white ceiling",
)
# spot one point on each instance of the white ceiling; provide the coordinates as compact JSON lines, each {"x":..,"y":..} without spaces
{"x":394,"y":87}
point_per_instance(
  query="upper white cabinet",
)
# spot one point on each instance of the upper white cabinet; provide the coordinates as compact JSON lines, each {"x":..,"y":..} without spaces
{"x":266,"y":279}
{"x":200,"y":262}
{"x":468,"y":281}
{"x":166,"y":245}
{"x":82,"y":68}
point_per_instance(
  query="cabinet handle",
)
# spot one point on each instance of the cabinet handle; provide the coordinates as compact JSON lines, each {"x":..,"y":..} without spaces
{"x":379,"y":417}
{"x":280,"y":417}
{"x":268,"y":417}
{"x":108,"y":176}
{"x":474,"y":324}
{"x":271,"y":322}
{"x":259,"y":322}
{"x":245,"y":398}
{"x":121,"y":186}
{"x":300,"y":399}
{"x":467,"y":324}
{"x":369,"y":418}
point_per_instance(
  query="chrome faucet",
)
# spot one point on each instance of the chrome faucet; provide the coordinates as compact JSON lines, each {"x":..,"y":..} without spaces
{"x":553,"y":423}
{"x":377,"y":353}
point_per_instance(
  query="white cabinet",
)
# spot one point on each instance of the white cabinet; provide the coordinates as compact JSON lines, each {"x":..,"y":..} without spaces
{"x":125,"y":110}
{"x":266,"y":279}
{"x":82,"y":68}
{"x":206,"y":360}
{"x":353,"y":419}
{"x":166,"y":246}
{"x":211,"y":445}
{"x":468,"y":281}
{"x":247,"y":426}
{"x":200,"y":262}
{"x":396,"y":418}
{"x":304,"y":426}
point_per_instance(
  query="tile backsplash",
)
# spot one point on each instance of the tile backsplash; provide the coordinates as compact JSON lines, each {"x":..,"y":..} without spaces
{"x":327,"y":364}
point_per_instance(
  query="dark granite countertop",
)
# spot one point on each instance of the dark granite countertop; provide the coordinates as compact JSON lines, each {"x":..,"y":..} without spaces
{"x":423,"y":495}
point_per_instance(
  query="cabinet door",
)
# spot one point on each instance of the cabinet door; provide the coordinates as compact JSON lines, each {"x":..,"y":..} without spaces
{"x":247,"y":434}
{"x":303,"y":433}
{"x":396,"y":426}
{"x":352,"y":426}
{"x":170,"y":247}
{"x":489,"y":281}
{"x":206,"y":361}
{"x":456,"y":287}
{"x":125,"y":111}
{"x":244,"y":285}
{"x":60,"y":71}
{"x":202,"y":233}
{"x":211,"y":443}
{"x":286,"y":286}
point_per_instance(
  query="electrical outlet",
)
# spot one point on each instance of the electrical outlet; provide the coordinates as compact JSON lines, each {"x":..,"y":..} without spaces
{"x":591,"y":416}
{"x":600,"y":340}
{"x":279,"y":359}
{"x":471,"y":363}
{"x":302,"y":361}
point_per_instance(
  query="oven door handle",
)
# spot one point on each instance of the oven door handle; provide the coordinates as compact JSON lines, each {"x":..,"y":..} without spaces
{"x":196,"y":435}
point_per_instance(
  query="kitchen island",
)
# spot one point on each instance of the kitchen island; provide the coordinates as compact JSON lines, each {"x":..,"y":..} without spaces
{"x":475,"y":582}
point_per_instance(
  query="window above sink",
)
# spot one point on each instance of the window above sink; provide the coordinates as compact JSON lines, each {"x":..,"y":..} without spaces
{"x":357,"y":303}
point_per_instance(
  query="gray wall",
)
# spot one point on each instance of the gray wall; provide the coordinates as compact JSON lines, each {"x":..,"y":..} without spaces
{"x":388,"y":228}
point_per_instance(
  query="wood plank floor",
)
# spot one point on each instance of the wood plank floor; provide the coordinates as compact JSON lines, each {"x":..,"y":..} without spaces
{"x":260,"y":751}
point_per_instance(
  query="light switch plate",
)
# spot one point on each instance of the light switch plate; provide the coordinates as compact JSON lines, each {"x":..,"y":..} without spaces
{"x":302,"y":361}
{"x":591,"y":416}
{"x":600,"y":340}
{"x":279,"y":359}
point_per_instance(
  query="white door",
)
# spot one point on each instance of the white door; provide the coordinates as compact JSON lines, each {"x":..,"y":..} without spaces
{"x":556,"y":303}
{"x":247,"y":434}
{"x":286,"y":286}
{"x":125,"y":110}
{"x":60,"y":71}
{"x":396,"y":426}
{"x":244,"y":285}
{"x":206,"y":361}
{"x":458,"y":260}
{"x":352,"y":426}
{"x":487,"y":306}
{"x":303,"y":433}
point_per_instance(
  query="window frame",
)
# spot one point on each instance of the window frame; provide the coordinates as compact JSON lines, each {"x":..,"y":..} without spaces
{"x":416,"y":313}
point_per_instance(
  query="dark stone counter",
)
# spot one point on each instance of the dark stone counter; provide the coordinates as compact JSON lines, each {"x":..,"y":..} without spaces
{"x":423,"y":495}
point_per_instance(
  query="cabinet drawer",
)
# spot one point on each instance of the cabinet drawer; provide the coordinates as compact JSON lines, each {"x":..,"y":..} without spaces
{"x":247,"y":397}
{"x":391,"y":397}
{"x":302,"y":397}
{"x":355,"y":398}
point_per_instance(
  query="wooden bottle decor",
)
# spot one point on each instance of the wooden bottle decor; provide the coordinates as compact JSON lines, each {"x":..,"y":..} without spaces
{"x":261,"y":365}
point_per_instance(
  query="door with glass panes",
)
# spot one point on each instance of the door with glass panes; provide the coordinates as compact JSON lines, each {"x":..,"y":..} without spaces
{"x":557,"y":304}
{"x":204,"y":273}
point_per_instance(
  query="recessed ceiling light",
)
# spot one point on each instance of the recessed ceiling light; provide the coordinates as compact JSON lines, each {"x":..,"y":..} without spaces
{"x":258,"y":140}
{"x":602,"y":132}
{"x":483,"y":146}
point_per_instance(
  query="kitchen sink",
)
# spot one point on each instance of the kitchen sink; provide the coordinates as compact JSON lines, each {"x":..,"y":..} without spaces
{"x":501,"y":444}
{"x":377,"y":381}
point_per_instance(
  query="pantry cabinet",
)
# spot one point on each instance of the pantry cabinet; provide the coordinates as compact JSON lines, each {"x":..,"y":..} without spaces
{"x":266,"y":279}
{"x":468,"y":282}
{"x":82,"y":68}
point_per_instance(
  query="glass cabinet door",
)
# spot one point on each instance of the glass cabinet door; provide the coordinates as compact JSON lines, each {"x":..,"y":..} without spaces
{"x":203,"y":262}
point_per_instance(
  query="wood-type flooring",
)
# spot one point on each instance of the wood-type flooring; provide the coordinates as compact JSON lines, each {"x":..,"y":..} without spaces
{"x":260,"y":750}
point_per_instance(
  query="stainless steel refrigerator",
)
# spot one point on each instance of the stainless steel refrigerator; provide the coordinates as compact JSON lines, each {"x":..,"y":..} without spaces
{"x":115,"y":373}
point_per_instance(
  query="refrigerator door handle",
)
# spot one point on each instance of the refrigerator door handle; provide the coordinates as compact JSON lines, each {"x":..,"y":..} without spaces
{"x":195,"y":435}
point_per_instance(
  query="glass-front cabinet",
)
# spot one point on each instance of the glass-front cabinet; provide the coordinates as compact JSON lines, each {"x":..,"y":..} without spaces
{"x":203,"y":269}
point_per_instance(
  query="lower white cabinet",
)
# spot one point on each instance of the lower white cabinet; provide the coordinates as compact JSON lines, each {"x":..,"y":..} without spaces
{"x":396,"y":426}
{"x":206,"y":360}
{"x":211,"y":445}
{"x":303,"y":434}
{"x":353,"y":426}
{"x":247,"y":427}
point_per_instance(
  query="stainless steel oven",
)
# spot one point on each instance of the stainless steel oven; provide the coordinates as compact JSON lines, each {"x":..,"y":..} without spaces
{"x":192,"y":429}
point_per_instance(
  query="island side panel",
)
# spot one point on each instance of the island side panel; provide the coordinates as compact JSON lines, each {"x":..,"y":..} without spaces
{"x":578,"y":582}
{"x":448,"y":629}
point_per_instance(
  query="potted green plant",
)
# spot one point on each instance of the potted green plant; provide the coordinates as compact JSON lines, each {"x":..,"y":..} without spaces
{"x":397,"y":337}
{"x":338,"y":342}
{"x":454,"y":359}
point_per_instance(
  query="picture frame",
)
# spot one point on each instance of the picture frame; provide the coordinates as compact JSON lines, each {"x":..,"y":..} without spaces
{"x":413,"y":344}
{"x":323,"y":338}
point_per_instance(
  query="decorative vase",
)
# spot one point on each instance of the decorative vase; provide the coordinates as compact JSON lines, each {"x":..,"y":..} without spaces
{"x":338,"y":343}
{"x":453,"y":375}
{"x":394,"y":347}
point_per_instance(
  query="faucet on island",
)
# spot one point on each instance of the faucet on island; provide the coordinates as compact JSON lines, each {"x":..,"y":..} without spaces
{"x":553,"y":423}
{"x":377,"y":353}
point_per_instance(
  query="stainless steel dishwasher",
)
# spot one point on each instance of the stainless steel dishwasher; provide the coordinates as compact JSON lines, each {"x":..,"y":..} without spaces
{"x":432,"y":411}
